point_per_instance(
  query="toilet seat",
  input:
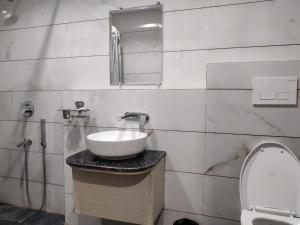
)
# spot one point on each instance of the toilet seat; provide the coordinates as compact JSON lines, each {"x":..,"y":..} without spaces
{"x":248,"y":217}
{"x":270,"y":185}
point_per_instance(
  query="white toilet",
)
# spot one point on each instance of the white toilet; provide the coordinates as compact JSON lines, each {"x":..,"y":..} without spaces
{"x":270,"y":186}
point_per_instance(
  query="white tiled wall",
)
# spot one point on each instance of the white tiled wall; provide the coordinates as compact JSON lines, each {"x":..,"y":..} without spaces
{"x":234,"y":126}
{"x":57,"y":53}
{"x":12,"y":130}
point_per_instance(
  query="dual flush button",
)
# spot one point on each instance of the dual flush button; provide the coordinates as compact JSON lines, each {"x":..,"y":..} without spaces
{"x":274,"y":95}
{"x":274,"y":91}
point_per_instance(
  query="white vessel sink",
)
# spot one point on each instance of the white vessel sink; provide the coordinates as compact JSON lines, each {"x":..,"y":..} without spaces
{"x":117,"y":144}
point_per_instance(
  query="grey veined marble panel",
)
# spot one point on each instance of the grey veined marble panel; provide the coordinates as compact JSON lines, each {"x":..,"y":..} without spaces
{"x":264,"y":23}
{"x":5,"y":105}
{"x":12,"y":132}
{"x":232,"y":112}
{"x":65,"y":40}
{"x":225,"y":153}
{"x":221,"y":197}
{"x":168,"y":109}
{"x":240,"y":75}
{"x":46,"y":105}
{"x":233,"y":26}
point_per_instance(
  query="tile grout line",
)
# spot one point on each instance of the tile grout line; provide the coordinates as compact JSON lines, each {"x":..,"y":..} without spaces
{"x":64,"y":154}
{"x":204,"y":151}
{"x":185,"y":131}
{"x":140,"y":87}
{"x":19,"y":150}
{"x":166,"y":51}
{"x":202,"y":174}
{"x":33,"y":181}
{"x":157,"y":129}
{"x":54,"y":58}
{"x":219,"y":6}
{"x":128,"y":88}
{"x":31,"y":121}
{"x":107,"y":18}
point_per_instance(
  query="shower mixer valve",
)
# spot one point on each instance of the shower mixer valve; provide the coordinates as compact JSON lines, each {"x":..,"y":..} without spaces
{"x":27,"y":142}
{"x":28,"y":109}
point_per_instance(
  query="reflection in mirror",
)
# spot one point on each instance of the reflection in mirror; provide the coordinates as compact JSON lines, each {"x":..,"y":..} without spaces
{"x":136,"y":46}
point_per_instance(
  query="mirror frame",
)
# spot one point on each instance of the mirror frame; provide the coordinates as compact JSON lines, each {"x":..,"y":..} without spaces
{"x":119,"y":81}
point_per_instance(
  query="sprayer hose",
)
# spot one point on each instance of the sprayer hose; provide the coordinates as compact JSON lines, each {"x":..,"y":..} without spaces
{"x":27,"y":178}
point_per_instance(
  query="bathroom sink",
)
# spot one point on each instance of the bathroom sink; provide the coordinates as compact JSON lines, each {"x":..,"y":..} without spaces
{"x":117,"y":144}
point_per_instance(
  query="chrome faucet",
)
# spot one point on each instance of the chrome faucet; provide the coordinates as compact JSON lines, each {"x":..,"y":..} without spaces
{"x":142,"y":118}
{"x":25,"y":143}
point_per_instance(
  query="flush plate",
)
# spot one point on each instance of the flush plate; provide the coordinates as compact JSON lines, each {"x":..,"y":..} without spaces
{"x":275,"y":91}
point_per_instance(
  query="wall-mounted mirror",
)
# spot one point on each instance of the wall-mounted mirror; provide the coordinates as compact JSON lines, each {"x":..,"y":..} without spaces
{"x":136,"y":46}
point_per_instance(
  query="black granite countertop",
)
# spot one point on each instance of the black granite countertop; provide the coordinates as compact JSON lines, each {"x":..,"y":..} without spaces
{"x":142,"y":162}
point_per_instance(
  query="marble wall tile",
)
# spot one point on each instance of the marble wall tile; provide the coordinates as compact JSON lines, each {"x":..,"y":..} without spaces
{"x":12,"y":133}
{"x":54,"y":168}
{"x":5,"y":105}
{"x":190,"y":32}
{"x":255,"y":54}
{"x":55,"y":194}
{"x":14,"y":166}
{"x":49,"y":42}
{"x":68,"y":179}
{"x":66,"y":40}
{"x":75,"y":138}
{"x":184,"y":192}
{"x":74,"y":142}
{"x":240,"y":75}
{"x":55,"y":197}
{"x":46,"y":105}
{"x":225,"y":153}
{"x":221,"y":197}
{"x":223,"y":23}
{"x":6,"y":157}
{"x":45,"y":12}
{"x":233,"y":112}
{"x":183,"y":70}
{"x":185,"y":150}
{"x":55,"y":74}
{"x":271,"y":25}
{"x":64,"y":47}
{"x":166,"y":108}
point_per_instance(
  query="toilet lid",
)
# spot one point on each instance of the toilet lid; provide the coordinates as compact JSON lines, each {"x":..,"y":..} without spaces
{"x":270,"y":179}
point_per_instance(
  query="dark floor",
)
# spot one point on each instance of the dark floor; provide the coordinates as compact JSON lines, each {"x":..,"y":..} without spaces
{"x":11,"y":215}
